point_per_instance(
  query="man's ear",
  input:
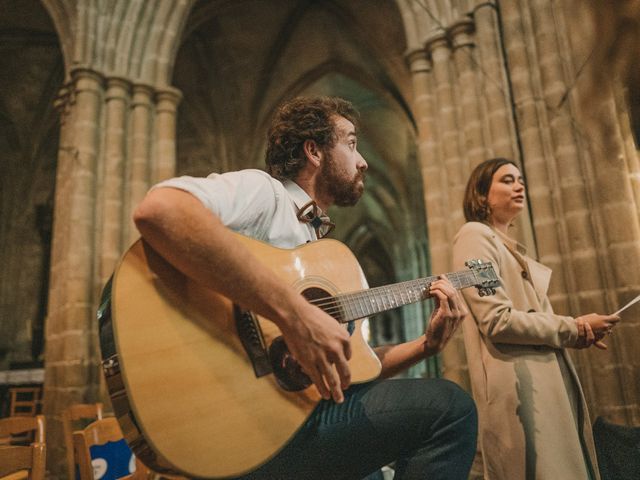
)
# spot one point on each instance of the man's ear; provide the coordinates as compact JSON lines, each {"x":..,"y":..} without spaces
{"x":312,"y":152}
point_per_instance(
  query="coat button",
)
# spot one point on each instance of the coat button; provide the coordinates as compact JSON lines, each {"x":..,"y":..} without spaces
{"x":524,"y":274}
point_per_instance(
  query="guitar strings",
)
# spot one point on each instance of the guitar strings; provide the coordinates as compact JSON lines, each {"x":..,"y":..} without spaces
{"x":371,"y":291}
{"x":336,"y":306}
{"x":345,"y":297}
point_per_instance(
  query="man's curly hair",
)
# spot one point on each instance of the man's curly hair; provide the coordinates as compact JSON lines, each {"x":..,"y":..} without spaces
{"x":300,"y":119}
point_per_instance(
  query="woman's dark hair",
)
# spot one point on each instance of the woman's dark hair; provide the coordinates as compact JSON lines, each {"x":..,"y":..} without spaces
{"x":475,"y":206}
{"x":300,"y":119}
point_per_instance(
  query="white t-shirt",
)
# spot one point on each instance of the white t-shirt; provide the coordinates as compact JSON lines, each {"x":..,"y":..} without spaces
{"x":253,"y":203}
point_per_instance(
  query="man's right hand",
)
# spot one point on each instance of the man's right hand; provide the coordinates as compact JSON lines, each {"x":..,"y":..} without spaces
{"x":322,"y":348}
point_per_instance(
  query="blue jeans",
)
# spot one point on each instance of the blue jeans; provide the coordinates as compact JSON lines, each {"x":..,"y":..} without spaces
{"x":427,"y":427}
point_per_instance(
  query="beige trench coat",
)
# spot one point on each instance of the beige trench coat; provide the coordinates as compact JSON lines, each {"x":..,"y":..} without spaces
{"x":533,"y":419}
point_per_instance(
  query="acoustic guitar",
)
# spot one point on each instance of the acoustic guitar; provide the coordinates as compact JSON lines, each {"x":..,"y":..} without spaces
{"x":205,"y":389}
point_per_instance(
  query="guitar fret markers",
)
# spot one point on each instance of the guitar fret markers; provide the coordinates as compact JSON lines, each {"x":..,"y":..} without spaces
{"x":353,"y":306}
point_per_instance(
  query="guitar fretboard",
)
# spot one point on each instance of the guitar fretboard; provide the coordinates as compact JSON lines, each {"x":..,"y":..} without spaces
{"x":346,"y":307}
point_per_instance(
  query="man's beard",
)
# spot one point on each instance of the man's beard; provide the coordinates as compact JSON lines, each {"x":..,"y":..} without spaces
{"x":343,"y":191}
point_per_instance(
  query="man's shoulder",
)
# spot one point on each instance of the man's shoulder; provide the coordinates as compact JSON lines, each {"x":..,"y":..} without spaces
{"x":249,"y":173}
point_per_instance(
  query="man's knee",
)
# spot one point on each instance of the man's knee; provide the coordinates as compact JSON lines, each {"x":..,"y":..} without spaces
{"x":460,"y":408}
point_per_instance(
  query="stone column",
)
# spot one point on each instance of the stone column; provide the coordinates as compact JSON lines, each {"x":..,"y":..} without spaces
{"x":493,"y":83}
{"x":579,"y":226}
{"x":448,"y":142}
{"x":616,"y":385}
{"x":140,"y":139}
{"x":164,"y":165}
{"x":436,"y":157}
{"x":71,"y":359}
{"x":420,"y":67}
{"x":630,"y":149}
{"x":496,"y":101}
{"x":473,"y":128}
{"x":112,"y":147}
{"x":110,"y":213}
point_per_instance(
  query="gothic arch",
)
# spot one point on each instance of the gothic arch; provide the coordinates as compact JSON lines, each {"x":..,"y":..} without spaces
{"x":133,"y":39}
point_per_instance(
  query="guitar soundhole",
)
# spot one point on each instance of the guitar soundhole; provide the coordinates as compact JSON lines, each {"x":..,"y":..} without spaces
{"x":286,"y":369}
{"x":314,"y":294}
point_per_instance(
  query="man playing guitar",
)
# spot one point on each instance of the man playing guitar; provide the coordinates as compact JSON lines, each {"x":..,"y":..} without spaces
{"x":426,"y":426}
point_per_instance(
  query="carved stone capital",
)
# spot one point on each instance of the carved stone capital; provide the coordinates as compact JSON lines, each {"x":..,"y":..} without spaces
{"x":168,"y":99}
{"x":64,"y":100}
{"x":461,"y":33}
{"x":118,"y":88}
{"x":85,"y":79}
{"x":142,"y":94}
{"x":418,"y":60}
{"x":436,"y":41}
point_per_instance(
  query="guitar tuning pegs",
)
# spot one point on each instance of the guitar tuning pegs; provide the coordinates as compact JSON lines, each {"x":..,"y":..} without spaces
{"x":485,"y":291}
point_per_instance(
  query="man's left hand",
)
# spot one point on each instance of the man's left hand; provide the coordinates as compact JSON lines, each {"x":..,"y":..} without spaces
{"x":449,"y":311}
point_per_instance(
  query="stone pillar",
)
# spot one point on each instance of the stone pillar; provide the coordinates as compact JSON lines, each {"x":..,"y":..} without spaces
{"x":420,"y":67}
{"x":579,"y":227}
{"x":110,"y":211}
{"x":71,"y":359}
{"x":164,"y":165}
{"x":140,"y":139}
{"x":112,"y":147}
{"x":493,"y":84}
{"x":451,"y":174}
{"x":496,"y":101}
{"x":615,"y":382}
{"x":448,"y":139}
{"x":613,"y":176}
{"x":630,"y":149}
{"x":475,"y":138}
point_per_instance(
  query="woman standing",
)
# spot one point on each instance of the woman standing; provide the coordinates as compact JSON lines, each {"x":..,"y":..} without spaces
{"x":534,"y":422}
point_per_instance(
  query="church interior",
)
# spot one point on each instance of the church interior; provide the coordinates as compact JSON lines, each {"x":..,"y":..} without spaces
{"x":100,"y":100}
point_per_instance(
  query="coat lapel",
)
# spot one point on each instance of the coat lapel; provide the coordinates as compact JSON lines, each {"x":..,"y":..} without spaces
{"x":538,"y":274}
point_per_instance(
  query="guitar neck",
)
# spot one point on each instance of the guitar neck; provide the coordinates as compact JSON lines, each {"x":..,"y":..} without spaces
{"x":346,"y":307}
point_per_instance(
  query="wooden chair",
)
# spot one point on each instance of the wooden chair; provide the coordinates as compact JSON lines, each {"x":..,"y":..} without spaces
{"x":24,"y":401}
{"x":19,"y":462}
{"x":100,"y":433}
{"x":71,"y":417}
{"x":22,"y":430}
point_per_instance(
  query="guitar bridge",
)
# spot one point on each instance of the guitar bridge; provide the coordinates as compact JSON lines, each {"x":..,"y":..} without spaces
{"x":252,"y":340}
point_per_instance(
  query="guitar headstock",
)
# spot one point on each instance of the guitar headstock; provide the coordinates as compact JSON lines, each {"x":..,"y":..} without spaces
{"x":486,"y":279}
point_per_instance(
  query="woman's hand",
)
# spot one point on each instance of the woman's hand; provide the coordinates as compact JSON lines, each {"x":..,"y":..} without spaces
{"x":592,"y":328}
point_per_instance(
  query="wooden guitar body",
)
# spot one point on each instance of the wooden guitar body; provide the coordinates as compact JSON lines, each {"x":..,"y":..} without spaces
{"x":204,"y":389}
{"x":183,"y":387}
